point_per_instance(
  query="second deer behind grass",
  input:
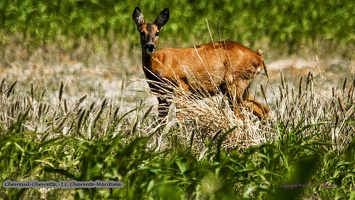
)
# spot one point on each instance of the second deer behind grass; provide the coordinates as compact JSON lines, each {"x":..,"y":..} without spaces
{"x":223,"y":67}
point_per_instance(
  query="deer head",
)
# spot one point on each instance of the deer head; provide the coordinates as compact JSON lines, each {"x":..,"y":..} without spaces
{"x":149,"y":32}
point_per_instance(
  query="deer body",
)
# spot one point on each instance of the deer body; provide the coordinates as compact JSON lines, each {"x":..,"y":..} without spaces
{"x":226,"y":67}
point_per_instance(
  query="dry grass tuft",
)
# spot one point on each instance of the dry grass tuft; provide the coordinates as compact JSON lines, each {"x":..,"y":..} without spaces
{"x":211,"y":117}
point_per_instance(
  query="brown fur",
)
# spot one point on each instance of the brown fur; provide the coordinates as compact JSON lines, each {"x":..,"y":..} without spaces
{"x":226,"y":67}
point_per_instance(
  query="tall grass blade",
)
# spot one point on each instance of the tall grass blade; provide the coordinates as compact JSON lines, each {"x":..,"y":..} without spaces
{"x":2,"y":85}
{"x":220,"y":141}
{"x":10,"y":90}
{"x":60,"y":94}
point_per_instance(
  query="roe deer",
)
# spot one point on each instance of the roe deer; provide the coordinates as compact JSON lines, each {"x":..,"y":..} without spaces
{"x":226,"y":67}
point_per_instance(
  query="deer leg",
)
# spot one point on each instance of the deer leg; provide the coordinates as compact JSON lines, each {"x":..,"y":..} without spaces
{"x":179,"y":115}
{"x":259,"y":110}
{"x":163,"y":108}
{"x":234,"y":99}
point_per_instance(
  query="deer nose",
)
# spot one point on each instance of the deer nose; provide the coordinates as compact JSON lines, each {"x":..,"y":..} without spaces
{"x":150,"y":48}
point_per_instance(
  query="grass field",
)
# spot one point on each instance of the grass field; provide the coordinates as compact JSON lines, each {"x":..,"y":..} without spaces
{"x":74,"y":104}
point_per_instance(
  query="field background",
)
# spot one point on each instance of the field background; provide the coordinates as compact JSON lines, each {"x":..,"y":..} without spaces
{"x":75,"y":106}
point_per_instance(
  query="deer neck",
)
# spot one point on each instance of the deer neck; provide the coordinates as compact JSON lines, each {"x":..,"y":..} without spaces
{"x":147,"y":64}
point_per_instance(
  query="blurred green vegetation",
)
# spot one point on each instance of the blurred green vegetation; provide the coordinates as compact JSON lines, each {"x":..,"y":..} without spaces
{"x":287,"y":23}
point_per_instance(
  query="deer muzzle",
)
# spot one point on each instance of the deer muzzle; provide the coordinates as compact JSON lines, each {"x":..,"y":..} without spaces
{"x":150,"y":48}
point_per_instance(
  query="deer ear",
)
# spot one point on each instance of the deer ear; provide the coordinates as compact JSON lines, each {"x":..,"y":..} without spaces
{"x":138,"y":17}
{"x":162,"y":18}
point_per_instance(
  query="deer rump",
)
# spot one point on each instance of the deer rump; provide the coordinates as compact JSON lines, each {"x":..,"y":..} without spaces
{"x":205,"y":69}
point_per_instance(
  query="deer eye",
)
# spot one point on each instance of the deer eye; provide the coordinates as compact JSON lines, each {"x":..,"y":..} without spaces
{"x":156,"y":34}
{"x":142,"y":33}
